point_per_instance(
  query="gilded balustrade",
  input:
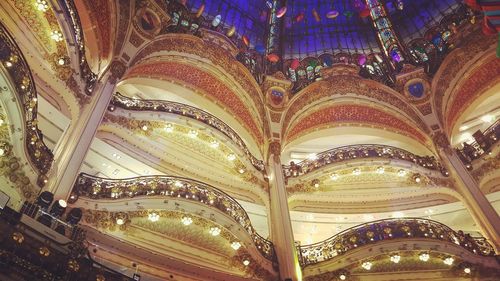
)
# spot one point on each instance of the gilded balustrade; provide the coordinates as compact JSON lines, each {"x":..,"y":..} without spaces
{"x":169,"y":186}
{"x":90,"y":78}
{"x":189,"y":112}
{"x":351,"y":152}
{"x":20,"y":74}
{"x":484,"y":142}
{"x":389,"y":229}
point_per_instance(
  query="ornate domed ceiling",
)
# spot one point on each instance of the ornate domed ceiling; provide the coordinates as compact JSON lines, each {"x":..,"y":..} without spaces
{"x":315,"y":27}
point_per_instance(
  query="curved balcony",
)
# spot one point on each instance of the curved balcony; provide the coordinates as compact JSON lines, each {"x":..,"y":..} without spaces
{"x":389,"y":229}
{"x":20,"y":75}
{"x":168,"y":186}
{"x":484,"y":142}
{"x":189,"y":112}
{"x":70,"y":11}
{"x":346,"y":153}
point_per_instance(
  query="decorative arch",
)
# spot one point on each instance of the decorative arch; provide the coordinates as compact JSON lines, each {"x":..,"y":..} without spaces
{"x":454,"y":67}
{"x":353,"y":115}
{"x":99,"y":27}
{"x":192,"y":47}
{"x":471,"y":89}
{"x":343,"y":85}
{"x":203,"y":82}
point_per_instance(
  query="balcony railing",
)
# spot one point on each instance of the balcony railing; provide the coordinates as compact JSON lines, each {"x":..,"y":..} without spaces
{"x":389,"y":229}
{"x":484,"y":142}
{"x":189,"y":112}
{"x":90,"y":78}
{"x":100,"y":188}
{"x":351,"y":152}
{"x":20,"y":74}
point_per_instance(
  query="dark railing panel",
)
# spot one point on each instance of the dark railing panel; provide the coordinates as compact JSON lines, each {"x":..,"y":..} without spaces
{"x":389,"y":229}
{"x":100,"y":188}
{"x":189,"y":112}
{"x":351,"y":152}
{"x":484,"y":142}
{"x":20,"y":74}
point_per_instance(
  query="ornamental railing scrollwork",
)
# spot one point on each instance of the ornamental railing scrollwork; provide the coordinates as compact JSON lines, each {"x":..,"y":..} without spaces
{"x":89,"y":77}
{"x":20,"y":74}
{"x":351,"y":152}
{"x":169,"y":186}
{"x":189,"y":112}
{"x":389,"y":229}
{"x":484,"y":142}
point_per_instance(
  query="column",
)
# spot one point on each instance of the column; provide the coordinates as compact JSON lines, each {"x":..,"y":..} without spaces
{"x":476,"y":202}
{"x":73,"y":148}
{"x":281,"y":228}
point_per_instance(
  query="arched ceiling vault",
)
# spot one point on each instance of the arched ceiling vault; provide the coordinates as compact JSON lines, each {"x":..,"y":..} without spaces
{"x":332,"y":88}
{"x":455,"y":68}
{"x":355,"y":114}
{"x":100,"y":27}
{"x":471,"y":90}
{"x":205,"y":84}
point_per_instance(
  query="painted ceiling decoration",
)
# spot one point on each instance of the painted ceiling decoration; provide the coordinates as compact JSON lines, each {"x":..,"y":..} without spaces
{"x":198,"y":80}
{"x":356,"y":115}
{"x":482,"y":78}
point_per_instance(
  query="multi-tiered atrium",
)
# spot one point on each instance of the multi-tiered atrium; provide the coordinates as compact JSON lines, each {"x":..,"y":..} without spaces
{"x":246,"y":140}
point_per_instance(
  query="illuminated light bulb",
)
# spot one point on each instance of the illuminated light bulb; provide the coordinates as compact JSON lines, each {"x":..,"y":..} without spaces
{"x":56,"y":36}
{"x":395,"y":258}
{"x":449,"y":261}
{"x":467,"y":270}
{"x":424,"y":257}
{"x":186,"y":220}
{"x":246,"y":262}
{"x":380,"y":170}
{"x":120,"y":221}
{"x":215,"y":231}
{"x":401,"y":173}
{"x":334,"y":176}
{"x":193,"y":133}
{"x":8,"y":64}
{"x":241,"y":171}
{"x":61,"y":61}
{"x":214,"y":144}
{"x":367,"y":265}
{"x":356,"y":171}
{"x":154,"y":217}
{"x":235,"y":245}
{"x":145,"y":128}
{"x":2,"y":151}
{"x":231,"y":157}
{"x":169,"y":128}
{"x":42,"y":5}
{"x":342,"y":277}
